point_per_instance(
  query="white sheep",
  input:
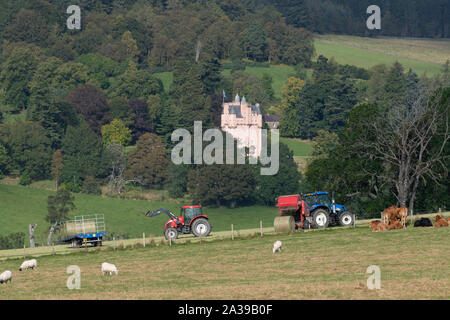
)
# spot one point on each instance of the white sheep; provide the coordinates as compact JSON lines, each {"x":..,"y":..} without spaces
{"x":6,"y":276}
{"x":28,"y":264}
{"x":277,"y":246}
{"x":109,"y":268}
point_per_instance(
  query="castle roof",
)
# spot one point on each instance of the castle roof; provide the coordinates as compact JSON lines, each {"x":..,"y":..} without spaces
{"x":235,"y":109}
{"x":256,"y":109}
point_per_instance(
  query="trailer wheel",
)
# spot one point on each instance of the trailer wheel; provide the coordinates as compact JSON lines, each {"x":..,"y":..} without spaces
{"x":346,"y":219}
{"x":321,"y":219}
{"x":171,"y":233}
{"x":202,"y":226}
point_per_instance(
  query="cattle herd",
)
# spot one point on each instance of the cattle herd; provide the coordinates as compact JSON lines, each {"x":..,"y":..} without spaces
{"x":395,"y":218}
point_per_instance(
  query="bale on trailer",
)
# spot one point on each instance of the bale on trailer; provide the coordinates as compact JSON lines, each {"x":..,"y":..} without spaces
{"x":284,"y":224}
{"x":70,"y":229}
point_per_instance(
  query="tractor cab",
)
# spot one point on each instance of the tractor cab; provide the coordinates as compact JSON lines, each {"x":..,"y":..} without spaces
{"x":318,"y":198}
{"x":190,"y":212}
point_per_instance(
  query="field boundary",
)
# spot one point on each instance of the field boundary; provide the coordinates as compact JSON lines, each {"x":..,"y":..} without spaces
{"x":152,"y":240}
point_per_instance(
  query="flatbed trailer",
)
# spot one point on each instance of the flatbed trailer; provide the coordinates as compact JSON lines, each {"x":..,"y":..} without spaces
{"x":83,"y":230}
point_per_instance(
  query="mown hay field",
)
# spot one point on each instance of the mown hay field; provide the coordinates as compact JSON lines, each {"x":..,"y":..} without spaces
{"x":367,"y":56}
{"x":320,"y":264}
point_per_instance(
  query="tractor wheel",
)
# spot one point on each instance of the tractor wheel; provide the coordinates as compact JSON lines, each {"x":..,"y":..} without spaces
{"x":321,"y":219}
{"x":202,"y":226}
{"x":171,"y":233}
{"x":346,"y":219}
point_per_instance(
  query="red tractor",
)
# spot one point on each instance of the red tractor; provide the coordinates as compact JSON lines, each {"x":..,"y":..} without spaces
{"x":191,"y":220}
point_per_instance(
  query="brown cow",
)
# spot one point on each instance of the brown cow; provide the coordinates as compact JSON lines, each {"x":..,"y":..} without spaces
{"x":395,"y":225}
{"x":390,"y":214}
{"x":440,"y":222}
{"x":403,"y":213}
{"x":377,"y":225}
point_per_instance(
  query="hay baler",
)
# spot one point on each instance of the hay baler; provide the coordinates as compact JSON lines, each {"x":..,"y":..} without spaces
{"x":293,"y":214}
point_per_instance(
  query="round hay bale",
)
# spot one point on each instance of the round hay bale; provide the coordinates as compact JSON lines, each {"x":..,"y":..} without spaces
{"x":284,"y":224}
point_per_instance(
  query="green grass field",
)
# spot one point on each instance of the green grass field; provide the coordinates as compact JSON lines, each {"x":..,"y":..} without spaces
{"x":25,"y":205}
{"x":300,"y":148}
{"x":420,"y":56}
{"x":321,"y":264}
{"x":166,"y":78}
{"x":434,"y":51}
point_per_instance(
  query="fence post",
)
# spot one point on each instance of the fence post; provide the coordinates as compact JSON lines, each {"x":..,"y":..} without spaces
{"x":354,"y":220}
{"x":143,"y":239}
{"x":24,"y":255}
{"x":114,"y":243}
{"x":232,"y":232}
{"x":170,"y":241}
{"x":53,"y":248}
{"x":260,"y":227}
{"x":412,"y":213}
{"x":201,"y":231}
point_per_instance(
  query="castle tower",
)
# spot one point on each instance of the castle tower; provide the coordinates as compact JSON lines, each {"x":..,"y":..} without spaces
{"x":244,"y":122}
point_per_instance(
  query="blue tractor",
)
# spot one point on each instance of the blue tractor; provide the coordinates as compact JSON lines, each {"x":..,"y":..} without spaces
{"x":325,"y":212}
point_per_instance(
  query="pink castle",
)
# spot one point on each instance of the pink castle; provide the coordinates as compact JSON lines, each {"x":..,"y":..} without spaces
{"x":244,"y":122}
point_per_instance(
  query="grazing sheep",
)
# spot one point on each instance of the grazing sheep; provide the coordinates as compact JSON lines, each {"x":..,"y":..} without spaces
{"x":377,"y":225}
{"x":109,"y":268}
{"x":28,"y":264}
{"x":6,"y":276}
{"x":423,"y":222}
{"x":277,"y":246}
{"x":441,"y":222}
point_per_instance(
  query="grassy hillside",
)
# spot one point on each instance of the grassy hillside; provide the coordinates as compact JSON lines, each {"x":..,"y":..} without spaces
{"x":434,"y":51}
{"x":24,"y":205}
{"x":414,"y":264}
{"x":421,"y":56}
{"x":300,"y":148}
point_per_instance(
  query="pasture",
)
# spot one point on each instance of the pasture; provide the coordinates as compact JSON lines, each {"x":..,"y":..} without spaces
{"x":300,"y":148}
{"x":124,"y":217}
{"x":319,"y":264}
{"x":421,"y":56}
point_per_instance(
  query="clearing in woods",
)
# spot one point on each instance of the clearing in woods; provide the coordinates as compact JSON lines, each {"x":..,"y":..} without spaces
{"x":414,"y":264}
{"x":421,"y":55}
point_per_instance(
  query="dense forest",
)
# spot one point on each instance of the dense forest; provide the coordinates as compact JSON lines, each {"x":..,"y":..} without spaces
{"x":86,"y":109}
